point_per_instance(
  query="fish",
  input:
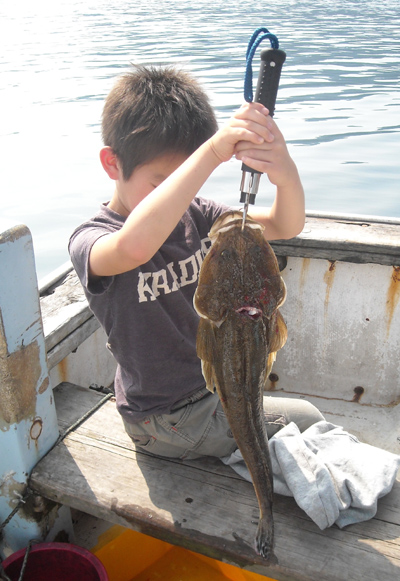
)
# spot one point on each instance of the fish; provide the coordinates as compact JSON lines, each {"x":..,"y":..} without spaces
{"x":239,"y":293}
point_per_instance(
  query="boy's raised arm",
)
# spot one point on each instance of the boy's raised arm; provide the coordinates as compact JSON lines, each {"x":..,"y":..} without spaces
{"x":153,"y":218}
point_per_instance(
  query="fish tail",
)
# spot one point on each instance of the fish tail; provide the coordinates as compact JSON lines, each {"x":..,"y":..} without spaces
{"x":265,"y":537}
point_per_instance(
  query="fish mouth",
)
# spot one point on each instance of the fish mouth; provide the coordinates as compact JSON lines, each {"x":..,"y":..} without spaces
{"x":252,"y":313}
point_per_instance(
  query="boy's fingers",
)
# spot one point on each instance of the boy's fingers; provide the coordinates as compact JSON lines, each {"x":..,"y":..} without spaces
{"x":254,"y":154}
{"x":256,"y":112}
{"x":246,"y":136}
{"x":245,"y":130}
{"x":256,"y":164}
{"x":254,"y":127}
{"x":254,"y":106}
{"x":256,"y":121}
{"x":242,"y":146}
{"x":258,"y":154}
{"x":254,"y":115}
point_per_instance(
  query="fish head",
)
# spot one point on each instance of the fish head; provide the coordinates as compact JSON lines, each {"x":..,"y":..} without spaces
{"x":240,"y":273}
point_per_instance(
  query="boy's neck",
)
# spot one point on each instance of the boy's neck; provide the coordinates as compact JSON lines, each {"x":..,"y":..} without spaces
{"x":116,"y":205}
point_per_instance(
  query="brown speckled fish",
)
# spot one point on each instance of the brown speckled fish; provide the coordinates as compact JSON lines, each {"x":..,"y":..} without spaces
{"x":241,"y":329}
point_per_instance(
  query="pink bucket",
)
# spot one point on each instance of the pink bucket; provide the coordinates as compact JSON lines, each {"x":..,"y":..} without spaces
{"x":56,"y":561}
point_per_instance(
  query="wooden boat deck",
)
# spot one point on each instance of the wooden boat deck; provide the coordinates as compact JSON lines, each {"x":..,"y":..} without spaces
{"x":202,"y":505}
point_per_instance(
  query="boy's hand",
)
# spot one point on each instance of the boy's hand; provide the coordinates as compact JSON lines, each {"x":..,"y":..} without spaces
{"x":249,"y":126}
{"x":270,"y":157}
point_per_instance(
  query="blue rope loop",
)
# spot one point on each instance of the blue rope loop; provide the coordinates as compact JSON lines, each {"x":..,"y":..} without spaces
{"x":254,"y":42}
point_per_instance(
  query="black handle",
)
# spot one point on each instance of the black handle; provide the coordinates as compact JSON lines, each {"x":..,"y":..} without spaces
{"x":272,"y":60}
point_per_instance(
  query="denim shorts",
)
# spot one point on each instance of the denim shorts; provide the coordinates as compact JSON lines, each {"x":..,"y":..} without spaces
{"x":197,"y":426}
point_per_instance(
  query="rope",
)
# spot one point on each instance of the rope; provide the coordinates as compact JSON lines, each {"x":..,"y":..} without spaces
{"x":25,"y":561}
{"x":82,"y":419}
{"x":13,"y":512}
{"x":254,"y":42}
{"x":3,"y":574}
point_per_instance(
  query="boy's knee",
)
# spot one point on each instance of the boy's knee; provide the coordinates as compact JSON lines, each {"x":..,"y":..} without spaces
{"x":309,"y":415}
{"x":300,"y":411}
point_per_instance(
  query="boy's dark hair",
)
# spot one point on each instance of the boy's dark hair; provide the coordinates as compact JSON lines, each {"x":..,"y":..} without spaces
{"x":151,"y":111}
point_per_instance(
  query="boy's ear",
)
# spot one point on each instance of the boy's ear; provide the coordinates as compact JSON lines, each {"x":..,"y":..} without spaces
{"x":110,"y":163}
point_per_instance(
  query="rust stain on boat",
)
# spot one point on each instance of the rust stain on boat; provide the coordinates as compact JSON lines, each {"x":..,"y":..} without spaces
{"x":62,"y":369}
{"x":304,"y":272}
{"x":392,"y":297}
{"x":358,"y":392}
{"x":273,"y":379}
{"x":299,"y":297}
{"x":329,"y":277}
{"x":19,"y":376}
{"x":45,"y":384}
{"x":36,"y":429}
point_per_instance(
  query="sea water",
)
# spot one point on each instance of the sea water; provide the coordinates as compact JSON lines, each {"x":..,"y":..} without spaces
{"x":338,"y":103}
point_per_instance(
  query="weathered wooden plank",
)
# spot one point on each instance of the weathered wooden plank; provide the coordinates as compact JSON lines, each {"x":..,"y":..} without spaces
{"x":204,"y":506}
{"x":71,"y":342}
{"x":51,"y":280}
{"x":211,"y":513}
{"x":333,"y":239}
{"x":73,"y":402}
{"x":64,"y":308}
{"x":359,"y":255}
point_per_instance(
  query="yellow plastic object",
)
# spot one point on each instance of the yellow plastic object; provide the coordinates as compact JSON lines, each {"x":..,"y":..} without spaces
{"x":131,"y":556}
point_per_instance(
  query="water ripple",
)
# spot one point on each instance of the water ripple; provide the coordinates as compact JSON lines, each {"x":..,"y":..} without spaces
{"x":338,"y":103}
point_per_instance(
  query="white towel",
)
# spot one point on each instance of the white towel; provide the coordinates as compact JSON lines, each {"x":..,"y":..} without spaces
{"x":333,"y":476}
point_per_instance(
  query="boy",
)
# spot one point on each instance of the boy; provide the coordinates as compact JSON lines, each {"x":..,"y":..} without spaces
{"x":139,"y":258}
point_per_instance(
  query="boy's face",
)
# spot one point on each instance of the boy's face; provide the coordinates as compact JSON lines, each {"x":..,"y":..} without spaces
{"x":145,"y":179}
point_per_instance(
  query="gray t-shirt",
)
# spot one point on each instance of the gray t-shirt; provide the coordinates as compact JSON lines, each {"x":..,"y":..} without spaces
{"x":147,"y":313}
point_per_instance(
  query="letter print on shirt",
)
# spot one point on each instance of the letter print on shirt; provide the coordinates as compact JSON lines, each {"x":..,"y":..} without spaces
{"x":152,"y":284}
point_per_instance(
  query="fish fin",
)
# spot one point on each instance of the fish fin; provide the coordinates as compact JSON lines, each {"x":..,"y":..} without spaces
{"x":270,"y":362}
{"x":284,"y":294}
{"x":278,"y":339}
{"x":208,"y":374}
{"x":279,"y":333}
{"x":205,"y":345}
